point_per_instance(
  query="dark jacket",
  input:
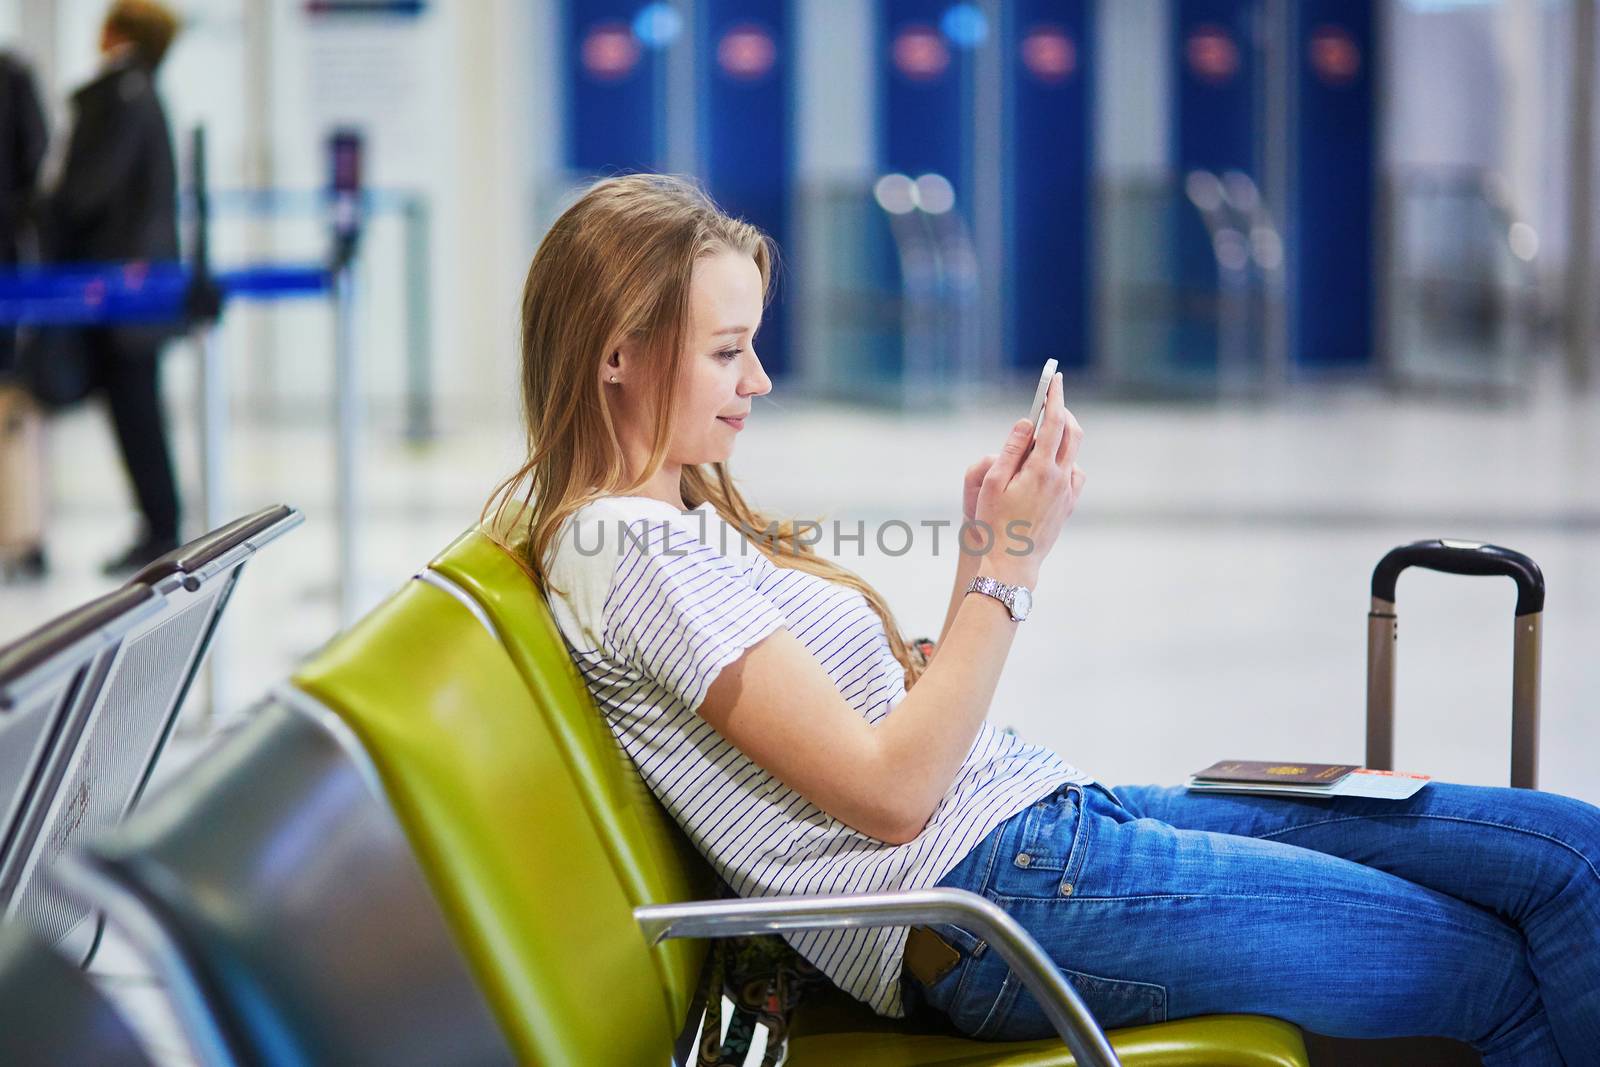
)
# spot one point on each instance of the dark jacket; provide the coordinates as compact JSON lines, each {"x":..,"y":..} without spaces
{"x":22,"y":143}
{"x":117,"y":197}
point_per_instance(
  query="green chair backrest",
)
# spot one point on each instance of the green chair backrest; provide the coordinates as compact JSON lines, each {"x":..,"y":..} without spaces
{"x":654,"y":860}
{"x":501,"y":828}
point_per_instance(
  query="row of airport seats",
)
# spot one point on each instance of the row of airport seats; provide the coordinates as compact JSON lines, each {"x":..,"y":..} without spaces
{"x":87,"y":703}
{"x":426,"y":847}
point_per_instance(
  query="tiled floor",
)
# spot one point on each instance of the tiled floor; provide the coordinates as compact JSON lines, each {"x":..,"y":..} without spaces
{"x":1208,"y":599}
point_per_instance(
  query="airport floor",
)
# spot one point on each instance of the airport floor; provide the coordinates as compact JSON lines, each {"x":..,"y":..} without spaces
{"x":1207,"y":601}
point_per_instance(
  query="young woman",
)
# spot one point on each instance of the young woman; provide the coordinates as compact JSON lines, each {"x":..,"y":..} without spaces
{"x":767,"y":698}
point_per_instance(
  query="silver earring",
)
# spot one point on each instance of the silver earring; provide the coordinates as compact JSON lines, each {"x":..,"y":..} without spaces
{"x":613,"y":379}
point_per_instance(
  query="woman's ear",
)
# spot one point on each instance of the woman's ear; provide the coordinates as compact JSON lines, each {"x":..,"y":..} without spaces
{"x":618,"y":363}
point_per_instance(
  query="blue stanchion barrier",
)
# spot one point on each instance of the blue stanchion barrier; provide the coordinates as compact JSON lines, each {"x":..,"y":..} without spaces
{"x":273,"y":282}
{"x":140,"y":292}
{"x":73,"y":295}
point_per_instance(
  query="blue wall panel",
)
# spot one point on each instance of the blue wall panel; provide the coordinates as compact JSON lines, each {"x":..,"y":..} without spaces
{"x":1335,"y":185}
{"x":613,"y":89}
{"x":746,"y":53}
{"x":1215,"y":127}
{"x":925,"y":96}
{"x":1049,"y":77}
{"x":1214,"y":122}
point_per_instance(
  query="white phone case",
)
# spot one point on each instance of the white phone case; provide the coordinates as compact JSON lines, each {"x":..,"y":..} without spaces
{"x":1040,"y":393}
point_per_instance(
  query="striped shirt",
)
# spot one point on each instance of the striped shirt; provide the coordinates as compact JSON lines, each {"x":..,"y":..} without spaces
{"x":653,"y":603}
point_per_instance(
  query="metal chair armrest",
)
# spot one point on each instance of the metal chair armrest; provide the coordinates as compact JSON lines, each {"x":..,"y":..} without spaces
{"x":765,"y":915}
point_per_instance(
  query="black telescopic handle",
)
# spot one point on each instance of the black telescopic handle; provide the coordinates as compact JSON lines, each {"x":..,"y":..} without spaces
{"x":1463,"y":557}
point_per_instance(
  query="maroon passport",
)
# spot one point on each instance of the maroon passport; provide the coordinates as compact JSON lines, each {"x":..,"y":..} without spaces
{"x":1281,"y":773}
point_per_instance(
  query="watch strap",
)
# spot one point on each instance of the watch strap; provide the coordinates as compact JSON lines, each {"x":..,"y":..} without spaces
{"x":999,"y":590}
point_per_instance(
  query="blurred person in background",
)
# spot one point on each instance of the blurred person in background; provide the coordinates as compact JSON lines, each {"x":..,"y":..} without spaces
{"x":22,"y":141}
{"x":22,"y":144}
{"x":116,"y":201}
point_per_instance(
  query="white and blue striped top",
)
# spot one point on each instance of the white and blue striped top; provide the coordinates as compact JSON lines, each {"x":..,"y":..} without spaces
{"x":654,"y":602}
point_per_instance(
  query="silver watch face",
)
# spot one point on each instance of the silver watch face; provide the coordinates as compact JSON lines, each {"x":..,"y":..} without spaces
{"x":1021,"y":603}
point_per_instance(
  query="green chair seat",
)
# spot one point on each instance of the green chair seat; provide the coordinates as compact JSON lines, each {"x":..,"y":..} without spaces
{"x":1212,"y":1041}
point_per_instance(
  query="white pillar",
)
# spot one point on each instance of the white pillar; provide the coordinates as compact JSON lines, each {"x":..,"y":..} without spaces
{"x":260,"y":172}
{"x":496,"y":55}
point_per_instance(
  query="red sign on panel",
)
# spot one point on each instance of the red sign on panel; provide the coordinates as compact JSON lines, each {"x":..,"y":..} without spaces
{"x":610,"y":51}
{"x":1211,"y":53}
{"x":920,"y":52}
{"x":1049,"y":54}
{"x":1335,"y":56}
{"x":747,"y":52}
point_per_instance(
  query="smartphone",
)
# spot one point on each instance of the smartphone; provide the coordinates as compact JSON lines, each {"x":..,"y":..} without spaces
{"x":1040,"y":393}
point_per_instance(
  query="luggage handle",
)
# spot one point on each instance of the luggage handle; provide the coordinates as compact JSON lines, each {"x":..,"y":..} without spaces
{"x":1457,"y":557}
{"x":1462,"y":557}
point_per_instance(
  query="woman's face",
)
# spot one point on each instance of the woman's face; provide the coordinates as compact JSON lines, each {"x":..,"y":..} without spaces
{"x":719,"y":374}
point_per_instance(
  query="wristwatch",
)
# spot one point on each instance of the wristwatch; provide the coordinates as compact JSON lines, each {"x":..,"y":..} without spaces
{"x":1017,"y":598}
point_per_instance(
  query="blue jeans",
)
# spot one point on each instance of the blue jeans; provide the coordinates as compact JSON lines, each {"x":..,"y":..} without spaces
{"x":1469,"y":912}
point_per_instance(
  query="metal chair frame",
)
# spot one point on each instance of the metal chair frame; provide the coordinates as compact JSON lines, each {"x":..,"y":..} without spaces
{"x":200,"y":575}
{"x":66,"y":663}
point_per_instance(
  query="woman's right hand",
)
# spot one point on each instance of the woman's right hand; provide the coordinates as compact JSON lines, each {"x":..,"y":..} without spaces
{"x":1029,"y":492}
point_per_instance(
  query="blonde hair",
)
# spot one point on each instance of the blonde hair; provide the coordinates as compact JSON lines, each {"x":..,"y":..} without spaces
{"x":616,"y":266}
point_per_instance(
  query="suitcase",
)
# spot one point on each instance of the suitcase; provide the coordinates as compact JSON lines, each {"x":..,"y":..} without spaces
{"x":21,"y":484}
{"x":1451,"y":557}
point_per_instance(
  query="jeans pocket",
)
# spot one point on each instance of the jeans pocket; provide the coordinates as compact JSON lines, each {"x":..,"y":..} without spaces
{"x":1015,"y":1014}
{"x":1041,"y":849}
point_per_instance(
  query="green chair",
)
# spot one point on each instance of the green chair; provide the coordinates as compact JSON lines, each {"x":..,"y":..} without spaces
{"x":655,"y":873}
{"x":501,"y":830}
